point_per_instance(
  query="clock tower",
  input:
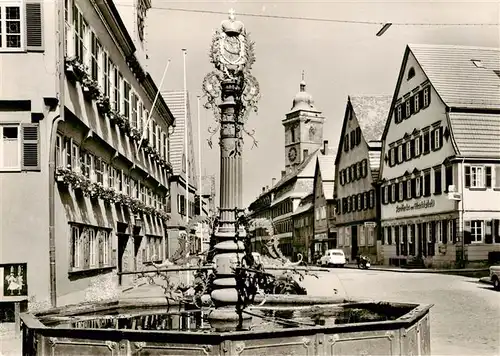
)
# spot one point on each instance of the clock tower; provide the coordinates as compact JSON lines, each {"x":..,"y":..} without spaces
{"x":303,"y":128}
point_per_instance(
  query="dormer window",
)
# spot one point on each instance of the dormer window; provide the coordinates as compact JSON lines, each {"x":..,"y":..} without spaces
{"x":141,"y":17}
{"x":478,"y":63}
{"x":411,"y":73}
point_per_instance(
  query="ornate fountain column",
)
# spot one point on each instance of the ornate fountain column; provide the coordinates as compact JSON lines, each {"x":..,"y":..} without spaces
{"x":231,"y":92}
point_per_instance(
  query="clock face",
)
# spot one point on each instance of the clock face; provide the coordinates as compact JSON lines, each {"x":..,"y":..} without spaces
{"x":292,"y":154}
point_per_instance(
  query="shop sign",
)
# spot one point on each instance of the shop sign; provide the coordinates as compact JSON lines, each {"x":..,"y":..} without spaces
{"x":370,"y":224}
{"x":418,"y":205}
{"x":322,"y":236}
{"x":13,"y":280}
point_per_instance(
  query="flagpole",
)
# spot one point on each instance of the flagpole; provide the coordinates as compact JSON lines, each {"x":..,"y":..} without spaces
{"x":200,"y":190}
{"x":146,"y":125}
{"x":186,"y":197}
{"x":186,"y":162}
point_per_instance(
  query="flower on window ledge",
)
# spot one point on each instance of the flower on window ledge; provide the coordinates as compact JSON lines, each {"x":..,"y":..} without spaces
{"x":91,"y":88}
{"x":75,"y":68}
{"x":103,"y":104}
{"x":135,"y":133}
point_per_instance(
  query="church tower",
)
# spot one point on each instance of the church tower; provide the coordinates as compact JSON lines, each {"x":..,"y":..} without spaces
{"x":303,"y":129}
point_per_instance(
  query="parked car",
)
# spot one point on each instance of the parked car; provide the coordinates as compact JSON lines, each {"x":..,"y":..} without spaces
{"x":333,"y":258}
{"x":495,"y":276}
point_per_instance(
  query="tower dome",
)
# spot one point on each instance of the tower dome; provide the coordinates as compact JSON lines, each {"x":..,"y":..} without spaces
{"x":303,"y":100}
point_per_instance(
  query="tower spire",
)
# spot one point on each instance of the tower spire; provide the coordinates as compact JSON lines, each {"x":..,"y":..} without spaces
{"x":303,"y":83}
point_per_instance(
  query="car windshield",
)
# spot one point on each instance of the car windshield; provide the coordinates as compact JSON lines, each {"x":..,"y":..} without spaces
{"x":336,"y":253}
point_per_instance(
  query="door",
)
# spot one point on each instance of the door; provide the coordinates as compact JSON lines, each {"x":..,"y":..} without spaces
{"x":354,"y":242}
{"x":419,"y":240}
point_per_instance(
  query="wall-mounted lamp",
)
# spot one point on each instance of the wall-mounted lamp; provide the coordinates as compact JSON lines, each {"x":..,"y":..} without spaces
{"x":171,"y":129}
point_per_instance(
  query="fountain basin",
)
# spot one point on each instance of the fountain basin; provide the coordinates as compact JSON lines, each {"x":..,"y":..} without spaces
{"x":302,"y":328}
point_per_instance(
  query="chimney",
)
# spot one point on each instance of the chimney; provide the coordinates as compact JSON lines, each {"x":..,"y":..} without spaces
{"x":273,"y":182}
{"x":263,"y":189}
{"x":283,"y":173}
{"x":306,"y":153}
{"x":267,"y":187}
{"x":325,"y":147}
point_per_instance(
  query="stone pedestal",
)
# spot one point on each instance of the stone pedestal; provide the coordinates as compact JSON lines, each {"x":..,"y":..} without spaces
{"x":229,"y":246}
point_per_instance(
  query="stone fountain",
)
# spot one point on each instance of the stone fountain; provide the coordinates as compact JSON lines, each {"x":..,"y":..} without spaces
{"x":284,"y":325}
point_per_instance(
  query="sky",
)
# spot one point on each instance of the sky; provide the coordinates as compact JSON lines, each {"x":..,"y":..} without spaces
{"x":339,"y":59}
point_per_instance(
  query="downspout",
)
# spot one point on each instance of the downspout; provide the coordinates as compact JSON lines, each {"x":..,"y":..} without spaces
{"x":52,"y":151}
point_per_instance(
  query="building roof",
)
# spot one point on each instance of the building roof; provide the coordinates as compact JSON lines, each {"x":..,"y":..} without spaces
{"x":304,"y":169}
{"x":466,"y":77}
{"x":326,"y":165}
{"x":371,"y":112}
{"x":175,"y":101}
{"x":476,"y":135}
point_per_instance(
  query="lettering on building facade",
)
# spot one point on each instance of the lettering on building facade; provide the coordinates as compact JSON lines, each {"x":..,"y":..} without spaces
{"x":424,"y":204}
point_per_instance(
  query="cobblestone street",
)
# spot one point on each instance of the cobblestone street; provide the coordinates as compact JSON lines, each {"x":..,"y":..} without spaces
{"x":465,"y":319}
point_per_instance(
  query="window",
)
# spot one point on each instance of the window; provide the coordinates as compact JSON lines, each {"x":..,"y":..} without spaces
{"x":437,"y":140}
{"x":427,"y":97}
{"x":59,"y":151}
{"x":417,"y":143}
{"x":111,"y":177}
{"x":105,"y":85}
{"x":362,"y":240}
{"x":477,"y":231}
{"x":416,"y":103}
{"x":134,"y":121}
{"x":408,"y":189}
{"x":399,"y":114}
{"x":408,"y":108}
{"x":439,"y":232}
{"x":99,"y":172}
{"x":437,"y":180}
{"x":418,"y":186}
{"x":126,"y":99}
{"x":10,"y":27}
{"x":386,"y":194}
{"x":393,"y":192}
{"x":85,"y":163}
{"x":400,"y":153}
{"x":10,"y":147}
{"x":411,"y":73}
{"x":474,"y":176}
{"x":116,"y":88}
{"x":408,"y":151}
{"x":81,"y":32}
{"x":90,"y":247}
{"x":95,"y":53}
{"x":401,"y":191}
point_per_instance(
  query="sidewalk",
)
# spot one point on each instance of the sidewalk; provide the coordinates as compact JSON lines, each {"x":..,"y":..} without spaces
{"x":455,"y":271}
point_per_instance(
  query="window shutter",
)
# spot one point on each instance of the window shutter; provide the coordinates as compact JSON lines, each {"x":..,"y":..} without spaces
{"x":426,"y":142}
{"x":403,"y":111}
{"x":412,"y":147}
{"x":467,"y":176}
{"x":86,"y":248}
{"x":405,"y":158}
{"x":496,"y":230}
{"x":445,"y":231}
{"x":421,"y":98}
{"x":34,"y":26}
{"x":413,"y":187}
{"x":488,"y":176}
{"x":412,"y":107}
{"x":389,"y":193}
{"x":433,"y":140}
{"x":358,"y":135}
{"x":488,"y":236}
{"x":396,"y":239}
{"x":30,"y":147}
